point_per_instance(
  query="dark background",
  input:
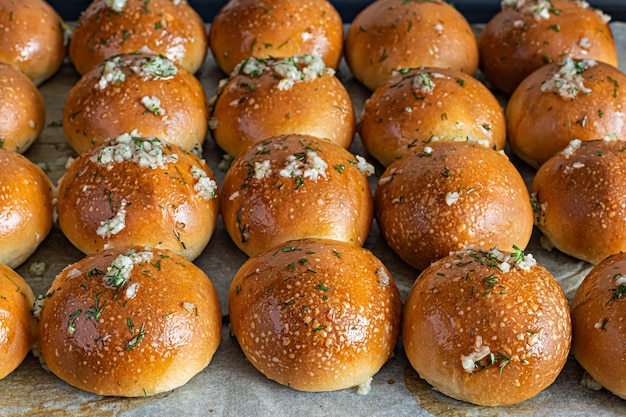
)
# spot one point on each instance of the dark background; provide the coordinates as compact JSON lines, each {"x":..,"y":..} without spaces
{"x":475,"y":11}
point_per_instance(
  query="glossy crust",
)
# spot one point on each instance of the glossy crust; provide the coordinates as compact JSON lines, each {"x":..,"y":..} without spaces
{"x":265,"y":202}
{"x":121,"y":203}
{"x":25,"y":208}
{"x":392,"y":34}
{"x":276,"y":28}
{"x":599,"y":333}
{"x":253,"y":106}
{"x":148,"y":333}
{"x":163,"y":26}
{"x":32,"y":38}
{"x":17,"y":325}
{"x":515,"y":43}
{"x":315,"y":315}
{"x":541,"y":123}
{"x":579,"y":199}
{"x":93,"y":114}
{"x":485,"y":336}
{"x":450,"y":195}
{"x":418,"y":104}
{"x":22,"y":110}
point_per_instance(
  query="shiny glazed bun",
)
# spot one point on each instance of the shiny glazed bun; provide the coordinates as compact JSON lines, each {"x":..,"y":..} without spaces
{"x":418,"y":104}
{"x":164,"y":27}
{"x":136,"y":91}
{"x":294,"y":187}
{"x":22,"y":110}
{"x":578,"y":197}
{"x":529,"y":34}
{"x":392,"y":34}
{"x":487,"y":327}
{"x":17,"y":325}
{"x":599,"y":331}
{"x":32,"y":38}
{"x":129,"y":322}
{"x":276,"y":28}
{"x":26,"y":205}
{"x":449,"y":195}
{"x":315,"y":315}
{"x":581,"y":99}
{"x":279,"y":96}
{"x":138,"y":190}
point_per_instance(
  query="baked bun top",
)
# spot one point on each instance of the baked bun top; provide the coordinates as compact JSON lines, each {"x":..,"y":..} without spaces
{"x":32,"y":38}
{"x":279,"y":96}
{"x":419,"y":104}
{"x":136,"y":91}
{"x":165,"y":27}
{"x":529,"y":34}
{"x":571,"y":99}
{"x":392,"y":34}
{"x":293,"y":187}
{"x":16,"y":320}
{"x":276,"y":28}
{"x":22,"y":109}
{"x":26,"y":205}
{"x":315,"y":314}
{"x":129,"y":322}
{"x":599,"y":333}
{"x":138,"y":190}
{"x":487,"y":327}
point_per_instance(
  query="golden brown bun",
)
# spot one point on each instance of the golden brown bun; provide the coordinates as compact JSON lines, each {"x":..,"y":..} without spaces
{"x":26,"y":205}
{"x":515,"y":42}
{"x":315,"y":315}
{"x":258,"y":101}
{"x":275,"y":28}
{"x":97,"y":109}
{"x":132,"y":335}
{"x":22,"y":110}
{"x":450,"y":195}
{"x":264,"y":202}
{"x":163,"y":26}
{"x":16,"y":321}
{"x":599,"y":333}
{"x":483,"y":335}
{"x":578,"y":199}
{"x":32,"y":38}
{"x":392,"y":34}
{"x":416,"y":105}
{"x":542,"y":119}
{"x":171,"y":205}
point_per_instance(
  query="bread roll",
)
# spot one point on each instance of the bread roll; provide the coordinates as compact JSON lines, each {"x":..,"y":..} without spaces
{"x":293,"y":187}
{"x":581,"y":99}
{"x":315,"y":315}
{"x":599,"y":333}
{"x":136,"y":91}
{"x":578,"y":197}
{"x":389,"y":35}
{"x":279,"y":96}
{"x":32,"y":38}
{"x":450,"y":195}
{"x":129,"y":322}
{"x":418,"y":104}
{"x":138,"y":190}
{"x":22,"y":110}
{"x":529,"y":34}
{"x":25,"y":208}
{"x":17,"y":325}
{"x":165,"y":27}
{"x":275,"y":28}
{"x":487,"y":327}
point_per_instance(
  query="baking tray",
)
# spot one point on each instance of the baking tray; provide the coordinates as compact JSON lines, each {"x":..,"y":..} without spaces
{"x":230,"y":386}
